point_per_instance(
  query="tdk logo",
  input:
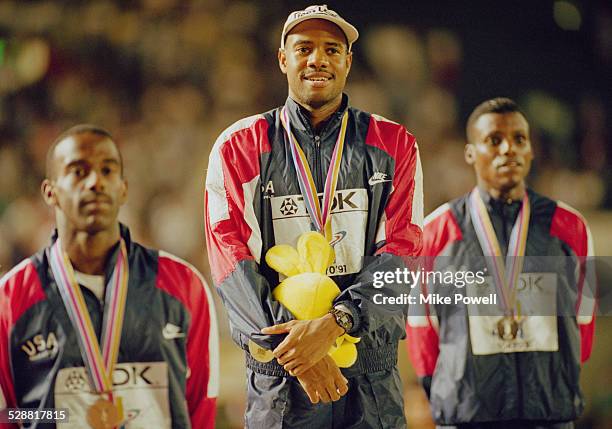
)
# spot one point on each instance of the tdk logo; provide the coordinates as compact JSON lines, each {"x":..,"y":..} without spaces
{"x":132,"y":375}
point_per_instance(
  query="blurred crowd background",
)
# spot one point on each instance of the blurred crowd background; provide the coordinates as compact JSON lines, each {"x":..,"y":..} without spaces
{"x":165,"y":77}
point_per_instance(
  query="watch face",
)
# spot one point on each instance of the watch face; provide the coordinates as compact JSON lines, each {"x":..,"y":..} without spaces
{"x":343,"y":319}
{"x":346,"y":324}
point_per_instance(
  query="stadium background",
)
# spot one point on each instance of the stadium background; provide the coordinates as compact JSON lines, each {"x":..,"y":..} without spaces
{"x":167,"y":76}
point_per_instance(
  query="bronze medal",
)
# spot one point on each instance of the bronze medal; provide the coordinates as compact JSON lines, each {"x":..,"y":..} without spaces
{"x":507,"y":328}
{"x":506,"y":270}
{"x":259,"y":353}
{"x":103,"y":414}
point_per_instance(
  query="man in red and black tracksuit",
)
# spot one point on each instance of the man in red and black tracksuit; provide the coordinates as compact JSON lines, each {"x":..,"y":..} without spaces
{"x":166,"y":372}
{"x":253,"y":202}
{"x":477,"y":372}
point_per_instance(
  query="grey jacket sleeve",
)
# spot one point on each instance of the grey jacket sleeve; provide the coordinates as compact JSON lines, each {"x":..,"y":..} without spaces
{"x":399,"y":236}
{"x":250,"y":306}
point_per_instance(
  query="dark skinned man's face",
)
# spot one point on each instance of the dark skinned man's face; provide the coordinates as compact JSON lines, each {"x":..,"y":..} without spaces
{"x":87,"y":187}
{"x":316,"y":61}
{"x":500,"y":150}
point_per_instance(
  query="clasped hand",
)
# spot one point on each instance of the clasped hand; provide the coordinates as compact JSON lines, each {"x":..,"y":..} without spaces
{"x":307,"y":342}
{"x":303,"y":353}
{"x":324,"y":381}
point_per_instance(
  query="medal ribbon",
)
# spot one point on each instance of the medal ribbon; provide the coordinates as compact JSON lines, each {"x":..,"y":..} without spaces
{"x":320,"y":216}
{"x":100,"y":361}
{"x":505,"y":275}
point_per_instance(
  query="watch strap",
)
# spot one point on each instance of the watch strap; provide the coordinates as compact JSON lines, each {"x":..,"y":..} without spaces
{"x":343,"y":318}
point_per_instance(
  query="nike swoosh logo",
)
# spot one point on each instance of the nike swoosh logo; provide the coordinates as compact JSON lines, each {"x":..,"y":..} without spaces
{"x":171,"y":332}
{"x":373,"y":182}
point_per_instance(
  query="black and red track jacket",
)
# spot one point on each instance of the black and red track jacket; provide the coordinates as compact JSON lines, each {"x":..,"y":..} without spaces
{"x":167,"y":372}
{"x":253,"y":202}
{"x":468,"y":376}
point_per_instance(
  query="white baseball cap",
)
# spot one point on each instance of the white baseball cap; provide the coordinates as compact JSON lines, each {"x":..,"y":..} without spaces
{"x":319,"y":12}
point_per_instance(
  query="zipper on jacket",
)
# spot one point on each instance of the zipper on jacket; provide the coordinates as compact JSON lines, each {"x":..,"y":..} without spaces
{"x":317,"y":162}
{"x":504,"y":245}
{"x":519,"y":386}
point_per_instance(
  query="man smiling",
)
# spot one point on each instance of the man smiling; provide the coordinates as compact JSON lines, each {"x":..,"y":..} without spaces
{"x":267,"y":177}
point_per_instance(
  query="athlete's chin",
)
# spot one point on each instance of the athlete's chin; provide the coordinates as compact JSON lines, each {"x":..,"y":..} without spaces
{"x":316,"y":99}
{"x":508,"y":183}
{"x":511,"y":177}
{"x":96,"y":224}
{"x":314,"y":103}
{"x":317,"y":102}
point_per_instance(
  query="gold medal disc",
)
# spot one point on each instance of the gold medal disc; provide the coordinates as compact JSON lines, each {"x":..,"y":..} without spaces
{"x":507,"y":328}
{"x":103,"y":414}
{"x":259,"y":353}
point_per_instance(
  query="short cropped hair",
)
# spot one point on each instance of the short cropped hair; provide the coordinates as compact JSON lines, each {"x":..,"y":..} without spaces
{"x":72,"y":132}
{"x":494,"y":105}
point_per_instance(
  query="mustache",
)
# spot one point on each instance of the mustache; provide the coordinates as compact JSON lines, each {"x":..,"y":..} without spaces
{"x":314,"y":71}
{"x":96,"y":197}
{"x":501,"y":160}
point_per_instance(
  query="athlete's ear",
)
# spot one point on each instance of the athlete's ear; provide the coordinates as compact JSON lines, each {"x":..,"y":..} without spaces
{"x":469,"y":154}
{"x":282,"y":60}
{"x":349,"y":62}
{"x":47,"y":188}
{"x":124,"y":192}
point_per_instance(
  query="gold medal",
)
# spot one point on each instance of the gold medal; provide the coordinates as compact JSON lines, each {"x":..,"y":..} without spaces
{"x":320,"y":212}
{"x":507,"y":328}
{"x":103,"y":414}
{"x":259,"y":353}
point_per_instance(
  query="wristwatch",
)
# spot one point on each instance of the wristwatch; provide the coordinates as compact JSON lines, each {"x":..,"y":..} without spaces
{"x":344,"y":319}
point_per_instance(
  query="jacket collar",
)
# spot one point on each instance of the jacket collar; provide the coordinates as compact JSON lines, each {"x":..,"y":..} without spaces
{"x":499,"y":206}
{"x":124,"y":231}
{"x":300,"y":118}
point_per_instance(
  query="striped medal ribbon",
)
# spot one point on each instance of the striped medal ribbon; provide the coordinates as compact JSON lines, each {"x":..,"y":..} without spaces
{"x":320,"y":216}
{"x":505,"y":276}
{"x":100,"y":361}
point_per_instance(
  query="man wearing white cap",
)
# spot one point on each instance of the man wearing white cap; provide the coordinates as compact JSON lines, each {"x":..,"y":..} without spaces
{"x":316,"y":164}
